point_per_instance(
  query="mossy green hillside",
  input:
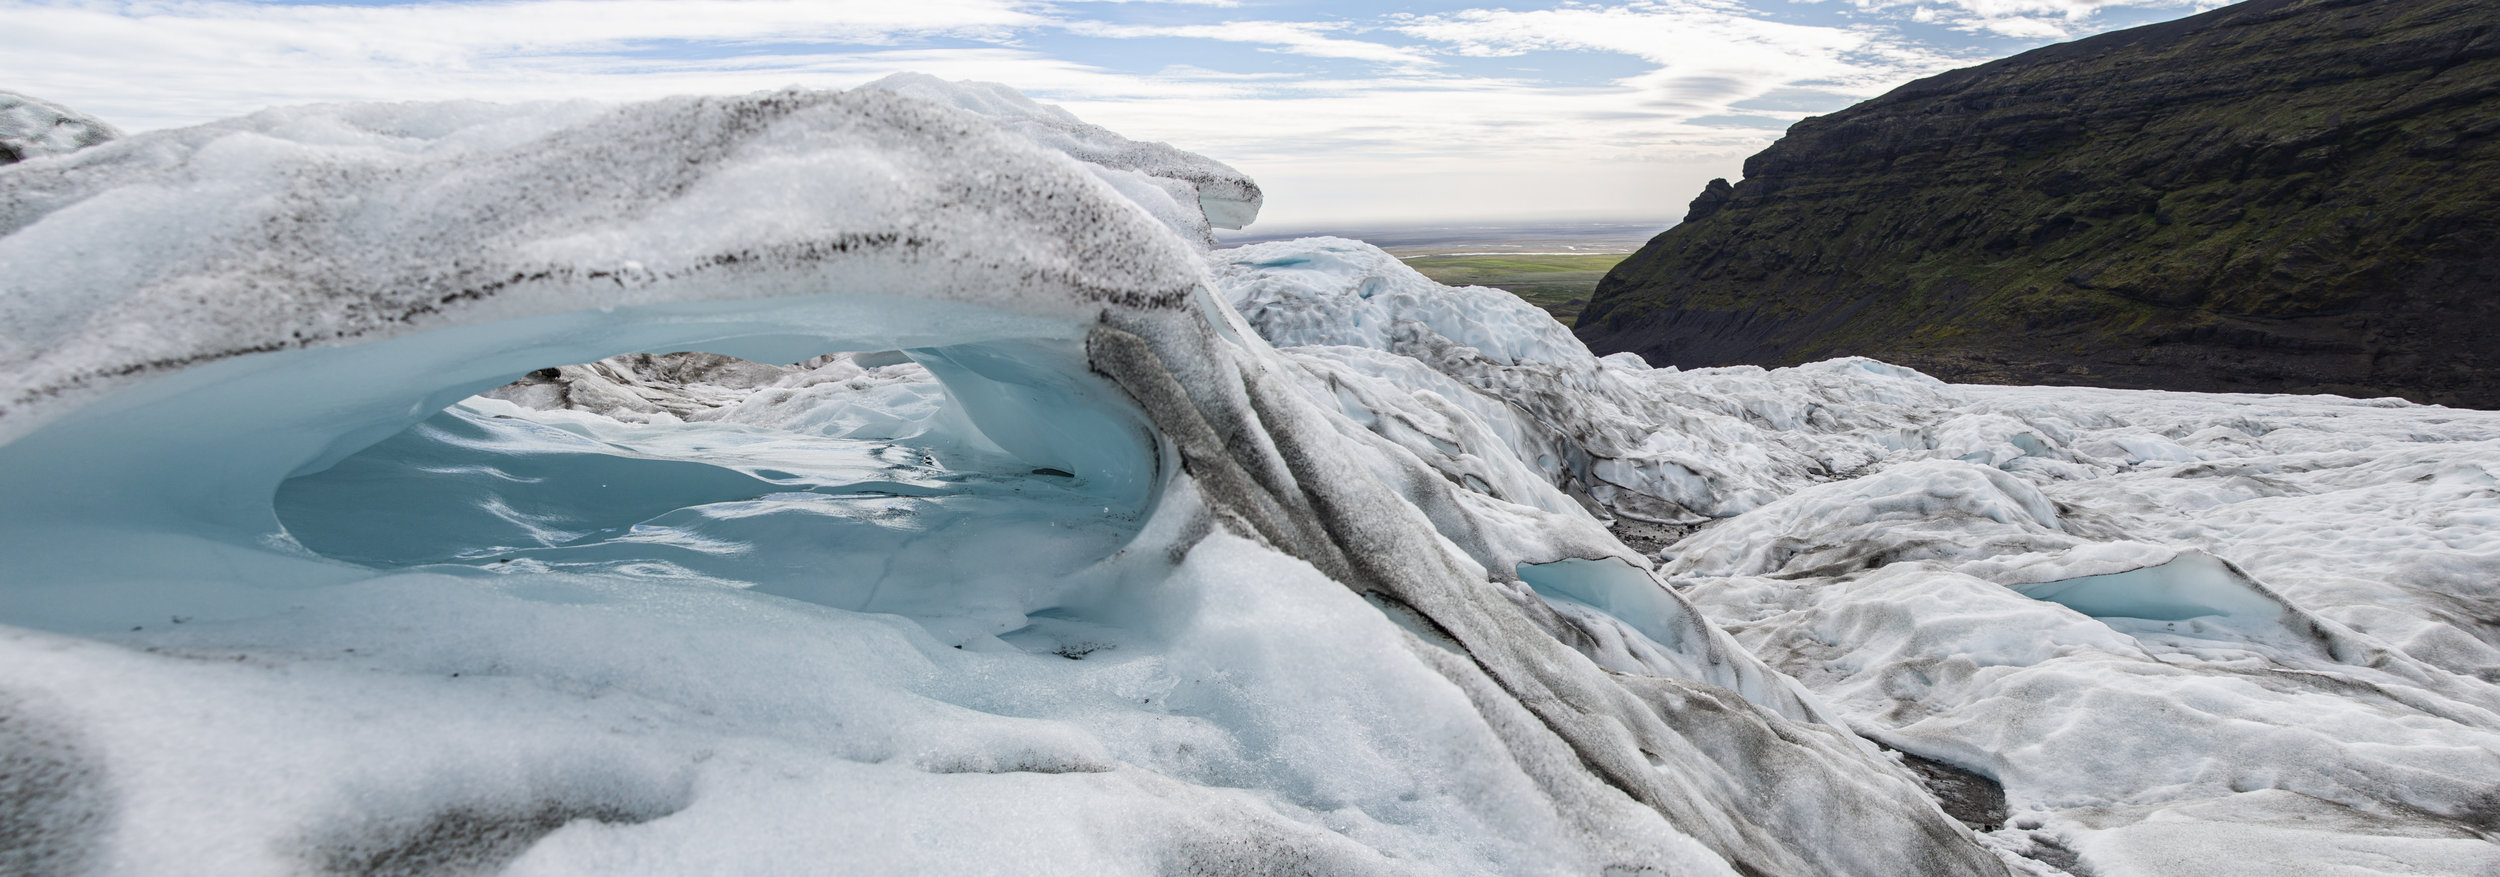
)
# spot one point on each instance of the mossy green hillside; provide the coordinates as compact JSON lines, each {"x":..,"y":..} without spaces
{"x":1559,"y":283}
{"x":2283,"y":194}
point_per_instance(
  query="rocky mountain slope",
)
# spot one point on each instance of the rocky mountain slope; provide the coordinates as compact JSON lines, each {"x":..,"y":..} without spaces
{"x":2290,"y":195}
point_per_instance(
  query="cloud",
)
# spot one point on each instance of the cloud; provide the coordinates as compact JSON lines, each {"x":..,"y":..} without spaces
{"x":2073,"y":10}
{"x":1433,"y":118}
{"x":2032,"y":28}
{"x":2031,"y":19}
{"x":179,"y":62}
{"x":1705,"y":52}
{"x":439,"y":31}
{"x":1301,"y":38}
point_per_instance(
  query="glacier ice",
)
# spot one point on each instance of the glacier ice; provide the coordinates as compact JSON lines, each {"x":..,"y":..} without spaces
{"x":2192,"y":585}
{"x":2228,"y":660}
{"x":34,"y":128}
{"x":1190,"y":192}
{"x":1057,"y":561}
{"x":2187,"y":633}
{"x":897,"y":481}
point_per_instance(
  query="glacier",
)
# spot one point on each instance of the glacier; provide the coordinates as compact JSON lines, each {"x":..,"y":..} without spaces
{"x":32,"y":127}
{"x":900,"y":480}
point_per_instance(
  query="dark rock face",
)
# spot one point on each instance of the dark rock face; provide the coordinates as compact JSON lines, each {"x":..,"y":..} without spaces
{"x":1712,"y":198}
{"x":2283,"y":195}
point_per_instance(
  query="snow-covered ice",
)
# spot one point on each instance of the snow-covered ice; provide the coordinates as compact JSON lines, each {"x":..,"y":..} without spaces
{"x":34,"y":128}
{"x":2188,"y":633}
{"x":364,"y":518}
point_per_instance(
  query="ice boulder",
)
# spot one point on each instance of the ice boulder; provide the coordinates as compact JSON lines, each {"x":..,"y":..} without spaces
{"x":1330,"y":291}
{"x":33,"y":128}
{"x":1052,"y":560}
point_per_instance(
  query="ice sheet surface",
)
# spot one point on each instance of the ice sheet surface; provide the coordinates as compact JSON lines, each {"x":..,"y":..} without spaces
{"x":2187,"y":633}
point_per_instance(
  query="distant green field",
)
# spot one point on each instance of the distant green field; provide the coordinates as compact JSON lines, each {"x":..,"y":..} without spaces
{"x":1559,"y":284}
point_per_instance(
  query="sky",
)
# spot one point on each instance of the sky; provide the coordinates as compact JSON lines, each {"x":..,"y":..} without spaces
{"x":1347,"y":113}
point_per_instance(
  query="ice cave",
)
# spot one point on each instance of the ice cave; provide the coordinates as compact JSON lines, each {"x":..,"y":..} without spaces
{"x":902,"y":480}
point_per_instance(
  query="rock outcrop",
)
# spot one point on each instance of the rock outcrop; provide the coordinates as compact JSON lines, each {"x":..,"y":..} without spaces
{"x":2282,"y":195}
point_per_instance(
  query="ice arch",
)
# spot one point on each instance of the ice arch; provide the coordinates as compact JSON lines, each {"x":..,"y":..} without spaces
{"x":189,"y":464}
{"x":161,"y":393}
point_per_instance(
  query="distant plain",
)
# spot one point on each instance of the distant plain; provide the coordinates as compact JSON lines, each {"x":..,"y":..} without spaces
{"x":1553,"y":266}
{"x":1559,"y":283}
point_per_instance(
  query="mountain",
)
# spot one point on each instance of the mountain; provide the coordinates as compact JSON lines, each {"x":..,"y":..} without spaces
{"x":2282,"y":195}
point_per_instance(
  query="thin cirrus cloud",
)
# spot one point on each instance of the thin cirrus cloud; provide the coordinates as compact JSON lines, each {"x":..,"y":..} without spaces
{"x":1346,"y":112}
{"x":1703,"y":54}
{"x":2035,"y":19}
{"x":1313,"y":39}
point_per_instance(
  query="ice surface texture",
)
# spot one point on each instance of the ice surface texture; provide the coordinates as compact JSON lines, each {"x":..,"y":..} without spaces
{"x":1195,"y":192}
{"x":1065,"y":569}
{"x":33,"y":128}
{"x":2187,"y":633}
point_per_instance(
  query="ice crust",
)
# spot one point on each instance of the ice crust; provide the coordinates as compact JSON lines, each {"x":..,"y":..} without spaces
{"x":33,"y":128}
{"x":997,"y":523}
{"x":1188,"y":191}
